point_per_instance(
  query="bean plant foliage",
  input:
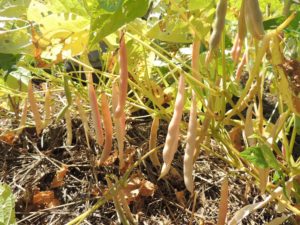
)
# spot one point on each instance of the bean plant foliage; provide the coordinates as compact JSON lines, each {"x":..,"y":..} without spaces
{"x":111,"y":106}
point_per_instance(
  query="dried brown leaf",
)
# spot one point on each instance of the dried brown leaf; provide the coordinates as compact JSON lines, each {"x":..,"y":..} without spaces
{"x":235,"y":135}
{"x":9,"y":137}
{"x":58,"y":180}
{"x":138,"y":187}
{"x":180,"y":198}
{"x":45,"y":199}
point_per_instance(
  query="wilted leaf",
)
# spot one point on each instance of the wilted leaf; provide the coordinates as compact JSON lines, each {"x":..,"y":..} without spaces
{"x":58,"y":180}
{"x":7,"y":205}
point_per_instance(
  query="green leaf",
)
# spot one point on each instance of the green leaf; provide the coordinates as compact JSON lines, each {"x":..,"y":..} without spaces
{"x":110,"y":5}
{"x":7,"y":205}
{"x":270,"y":158}
{"x":275,"y":22}
{"x":103,"y":24}
{"x":172,"y":30}
{"x":8,"y":61}
{"x":261,"y":156}
{"x":18,"y":79}
{"x":14,"y":36}
{"x":296,"y":185}
{"x":198,"y":4}
{"x":276,"y":177}
{"x":16,"y":8}
{"x":297,"y":124}
{"x":255,"y":156}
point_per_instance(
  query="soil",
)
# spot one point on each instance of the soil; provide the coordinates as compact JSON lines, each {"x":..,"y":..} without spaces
{"x":30,"y":164}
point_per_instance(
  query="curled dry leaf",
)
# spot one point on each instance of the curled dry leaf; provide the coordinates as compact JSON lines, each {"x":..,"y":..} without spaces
{"x":96,"y":192}
{"x":45,"y":199}
{"x":138,"y":187}
{"x":58,"y":180}
{"x":235,"y":135}
{"x":110,"y":160}
{"x":9,"y":137}
{"x":128,"y":159}
{"x":180,"y":198}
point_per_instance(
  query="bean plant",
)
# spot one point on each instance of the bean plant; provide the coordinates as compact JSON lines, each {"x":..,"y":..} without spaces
{"x":202,"y":67}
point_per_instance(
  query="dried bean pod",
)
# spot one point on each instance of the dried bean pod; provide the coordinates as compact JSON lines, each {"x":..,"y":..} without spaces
{"x":190,"y":147}
{"x":123,"y":78}
{"x":171,"y":143}
{"x":254,"y":19}
{"x":218,"y":25}
{"x":107,"y":127}
{"x":242,"y":28}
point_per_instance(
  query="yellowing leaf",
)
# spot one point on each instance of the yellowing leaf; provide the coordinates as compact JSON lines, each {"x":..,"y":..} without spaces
{"x":60,"y":33}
